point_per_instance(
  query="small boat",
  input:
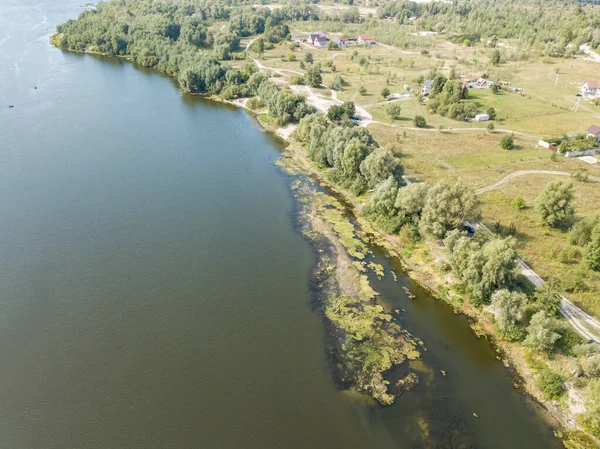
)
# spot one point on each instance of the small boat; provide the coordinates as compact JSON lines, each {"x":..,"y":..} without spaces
{"x":11,"y":105}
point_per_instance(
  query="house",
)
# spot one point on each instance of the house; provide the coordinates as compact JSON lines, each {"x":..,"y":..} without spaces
{"x":589,"y":89}
{"x":594,"y":131}
{"x":482,"y":117}
{"x":320,"y":42}
{"x":364,"y":39}
{"x":426,"y":87}
{"x":312,"y":37}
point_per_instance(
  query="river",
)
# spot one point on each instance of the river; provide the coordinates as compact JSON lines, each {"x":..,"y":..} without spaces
{"x":154,"y":288}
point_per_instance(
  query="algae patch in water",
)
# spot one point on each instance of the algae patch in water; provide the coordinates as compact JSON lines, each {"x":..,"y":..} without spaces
{"x":365,"y":341}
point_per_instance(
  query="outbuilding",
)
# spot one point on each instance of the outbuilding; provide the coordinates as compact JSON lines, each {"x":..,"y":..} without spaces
{"x":482,"y":117}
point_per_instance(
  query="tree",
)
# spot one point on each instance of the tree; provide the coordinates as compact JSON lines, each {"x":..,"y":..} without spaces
{"x":260,"y":46}
{"x":492,"y":113}
{"x":290,"y":56}
{"x":349,"y":108}
{"x":313,"y":76}
{"x":338,"y":82}
{"x":591,"y":417}
{"x":540,"y":333}
{"x":394,"y":110}
{"x":483,"y":267}
{"x":592,"y":250}
{"x":380,"y":165}
{"x":509,"y":310}
{"x":495,"y":58}
{"x":419,"y":121}
{"x":385,"y":92}
{"x":581,"y":233}
{"x":331,"y":45}
{"x":362,"y":90}
{"x":410,"y":201}
{"x":507,"y":142}
{"x":449,"y":204}
{"x":547,"y":299}
{"x":381,"y":207}
{"x":308,"y":58}
{"x":353,"y":155}
{"x":335,"y":113}
{"x":555,"y":205}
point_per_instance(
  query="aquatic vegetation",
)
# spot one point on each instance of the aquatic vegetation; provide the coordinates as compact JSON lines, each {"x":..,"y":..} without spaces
{"x":375,"y":343}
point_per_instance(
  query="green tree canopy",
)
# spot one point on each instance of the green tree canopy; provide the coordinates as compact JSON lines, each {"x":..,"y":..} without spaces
{"x":555,"y":206}
{"x":449,"y":204}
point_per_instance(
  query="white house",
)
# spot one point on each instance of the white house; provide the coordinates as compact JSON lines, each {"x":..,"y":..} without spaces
{"x":482,"y":117}
{"x":364,"y":39}
{"x":594,"y":131}
{"x":589,"y":89}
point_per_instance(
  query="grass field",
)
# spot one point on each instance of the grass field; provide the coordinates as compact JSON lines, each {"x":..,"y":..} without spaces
{"x":547,"y":250}
{"x":447,"y":150}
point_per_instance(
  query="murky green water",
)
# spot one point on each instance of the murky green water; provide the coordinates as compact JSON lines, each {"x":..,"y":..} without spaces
{"x":154,"y":289}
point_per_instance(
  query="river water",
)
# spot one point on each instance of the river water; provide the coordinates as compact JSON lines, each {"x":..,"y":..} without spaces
{"x":154,"y":287}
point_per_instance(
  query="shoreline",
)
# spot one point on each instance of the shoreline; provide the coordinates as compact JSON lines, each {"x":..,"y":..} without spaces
{"x":561,"y":419}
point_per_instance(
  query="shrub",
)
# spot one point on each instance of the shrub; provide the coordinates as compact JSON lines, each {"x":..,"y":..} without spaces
{"x":507,"y":142}
{"x":518,"y":203}
{"x":419,"y":121}
{"x":296,"y":80}
{"x":551,"y":384}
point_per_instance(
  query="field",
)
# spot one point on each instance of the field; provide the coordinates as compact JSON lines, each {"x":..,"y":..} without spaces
{"x":448,"y":148}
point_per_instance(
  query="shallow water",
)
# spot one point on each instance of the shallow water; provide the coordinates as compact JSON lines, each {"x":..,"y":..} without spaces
{"x":154,"y":288}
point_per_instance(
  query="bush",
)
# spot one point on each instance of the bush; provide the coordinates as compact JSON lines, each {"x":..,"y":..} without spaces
{"x":419,"y":121}
{"x":362,"y":90}
{"x":385,"y":92}
{"x":393,"y":111}
{"x":518,"y":203}
{"x":551,"y":384}
{"x":296,"y":80}
{"x":255,"y":103}
{"x":507,"y":142}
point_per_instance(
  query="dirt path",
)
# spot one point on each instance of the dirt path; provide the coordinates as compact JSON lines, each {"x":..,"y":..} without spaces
{"x":526,"y":172}
{"x":584,"y":324}
{"x":520,"y":173}
{"x":501,"y":130}
{"x":591,"y":55}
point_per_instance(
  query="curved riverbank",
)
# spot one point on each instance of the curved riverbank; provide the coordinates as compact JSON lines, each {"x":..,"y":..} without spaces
{"x":305,"y":165}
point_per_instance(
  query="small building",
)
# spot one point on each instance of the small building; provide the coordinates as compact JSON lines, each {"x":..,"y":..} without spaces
{"x":320,"y":42}
{"x":427,"y":33}
{"x":364,"y":39}
{"x":594,"y":131}
{"x":482,"y":117}
{"x":312,"y":37}
{"x":589,"y":89}
{"x":426,"y":87}
{"x":544,"y":144}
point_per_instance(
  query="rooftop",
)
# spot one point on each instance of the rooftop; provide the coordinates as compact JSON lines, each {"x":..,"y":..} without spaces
{"x":592,"y":84}
{"x":594,"y":129}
